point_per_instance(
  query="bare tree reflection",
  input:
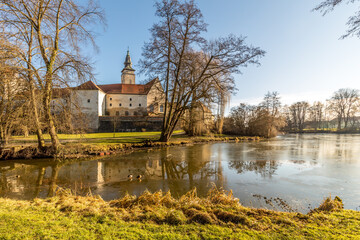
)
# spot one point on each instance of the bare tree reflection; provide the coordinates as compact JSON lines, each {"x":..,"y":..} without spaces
{"x":261,"y":159}
{"x":39,"y":181}
{"x":54,"y":176}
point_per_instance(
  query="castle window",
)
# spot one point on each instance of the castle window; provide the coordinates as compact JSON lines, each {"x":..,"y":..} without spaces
{"x":130,"y":104}
{"x":130,"y":99}
{"x":110,"y":104}
{"x":88,"y":100}
{"x":126,"y":113}
{"x":120,"y":105}
{"x":110,"y":99}
{"x":139,"y":104}
{"x":161,"y":108}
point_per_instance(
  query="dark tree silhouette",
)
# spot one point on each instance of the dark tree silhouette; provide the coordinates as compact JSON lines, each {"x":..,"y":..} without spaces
{"x":353,"y":22}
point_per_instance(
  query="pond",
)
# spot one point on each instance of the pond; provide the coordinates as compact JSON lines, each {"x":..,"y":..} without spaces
{"x":288,"y":173}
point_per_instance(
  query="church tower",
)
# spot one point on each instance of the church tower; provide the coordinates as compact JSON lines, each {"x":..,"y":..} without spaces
{"x":128,"y":73}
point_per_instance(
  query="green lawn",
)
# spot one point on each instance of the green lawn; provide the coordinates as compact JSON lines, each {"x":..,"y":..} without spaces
{"x":159,"y":216}
{"x":97,"y":135}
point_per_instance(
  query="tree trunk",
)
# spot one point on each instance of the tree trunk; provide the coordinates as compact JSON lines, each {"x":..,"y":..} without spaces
{"x":31,"y":82}
{"x":339,"y":123}
{"x":39,"y":134}
{"x":55,"y":143}
{"x":165,"y":136}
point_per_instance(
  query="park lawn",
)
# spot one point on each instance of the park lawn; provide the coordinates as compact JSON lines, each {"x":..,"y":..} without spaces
{"x":97,"y":135}
{"x":159,"y":216}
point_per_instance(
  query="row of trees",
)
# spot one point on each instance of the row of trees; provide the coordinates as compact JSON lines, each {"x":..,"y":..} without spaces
{"x":41,"y":43}
{"x":341,"y":111}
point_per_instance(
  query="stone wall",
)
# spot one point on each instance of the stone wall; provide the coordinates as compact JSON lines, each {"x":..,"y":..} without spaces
{"x":129,"y":124}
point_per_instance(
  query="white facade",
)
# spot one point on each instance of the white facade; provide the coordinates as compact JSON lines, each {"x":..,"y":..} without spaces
{"x":126,"y":104}
{"x":125,"y":99}
{"x":91,"y":104}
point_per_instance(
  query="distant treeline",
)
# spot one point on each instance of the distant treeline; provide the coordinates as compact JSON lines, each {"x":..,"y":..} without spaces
{"x":340,"y":113}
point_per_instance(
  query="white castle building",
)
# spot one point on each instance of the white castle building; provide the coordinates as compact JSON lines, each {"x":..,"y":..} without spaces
{"x":123,"y":100}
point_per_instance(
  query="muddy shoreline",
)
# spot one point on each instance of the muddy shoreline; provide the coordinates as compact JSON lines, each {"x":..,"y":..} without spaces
{"x":80,"y":150}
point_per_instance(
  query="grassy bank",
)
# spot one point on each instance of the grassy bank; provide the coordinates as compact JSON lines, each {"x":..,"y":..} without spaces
{"x":86,"y":136}
{"x":159,"y":216}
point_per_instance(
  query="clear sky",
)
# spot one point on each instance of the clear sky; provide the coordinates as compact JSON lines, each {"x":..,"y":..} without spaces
{"x":305,"y":59}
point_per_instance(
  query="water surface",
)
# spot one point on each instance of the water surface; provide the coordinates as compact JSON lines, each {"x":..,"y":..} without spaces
{"x":291,"y":172}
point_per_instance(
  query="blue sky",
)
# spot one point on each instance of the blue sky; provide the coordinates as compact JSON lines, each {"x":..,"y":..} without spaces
{"x":305,"y":59}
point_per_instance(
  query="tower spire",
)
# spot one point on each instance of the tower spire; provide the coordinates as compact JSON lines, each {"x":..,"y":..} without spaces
{"x":128,"y":63}
{"x":128,"y":73}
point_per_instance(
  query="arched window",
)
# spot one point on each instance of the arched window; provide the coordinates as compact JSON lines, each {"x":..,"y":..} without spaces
{"x":130,"y":99}
{"x":110,"y":104}
{"x":130,"y":104}
{"x":120,"y":105}
{"x":110,"y":99}
{"x":161,"y":108}
{"x":126,"y":113}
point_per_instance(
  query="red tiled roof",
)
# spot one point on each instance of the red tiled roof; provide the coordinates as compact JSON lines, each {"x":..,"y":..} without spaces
{"x":128,"y":88}
{"x":141,"y":89}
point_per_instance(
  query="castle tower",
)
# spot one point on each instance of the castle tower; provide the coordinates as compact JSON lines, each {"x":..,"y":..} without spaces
{"x":128,"y":73}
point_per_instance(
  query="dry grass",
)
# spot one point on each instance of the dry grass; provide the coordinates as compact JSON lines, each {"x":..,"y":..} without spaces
{"x":330,"y":205}
{"x":160,"y":216}
{"x":219,"y":207}
{"x":158,"y":207}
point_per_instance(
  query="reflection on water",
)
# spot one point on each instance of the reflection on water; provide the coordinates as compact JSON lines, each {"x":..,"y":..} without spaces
{"x":292,"y":172}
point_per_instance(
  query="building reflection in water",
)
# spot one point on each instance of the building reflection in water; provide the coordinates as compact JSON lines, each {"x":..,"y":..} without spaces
{"x":248,"y":167}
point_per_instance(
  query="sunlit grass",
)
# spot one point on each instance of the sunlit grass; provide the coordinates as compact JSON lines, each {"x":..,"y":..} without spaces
{"x":160,"y":216}
{"x":98,"y":135}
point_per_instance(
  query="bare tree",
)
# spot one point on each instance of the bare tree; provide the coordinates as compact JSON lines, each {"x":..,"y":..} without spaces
{"x":299,"y":113}
{"x":264,"y":120}
{"x":316,"y":114}
{"x":50,"y":34}
{"x":12,"y":103}
{"x":186,"y":73}
{"x":353,"y":22}
{"x":223,"y":99}
{"x":238,"y":120}
{"x":272,"y":103}
{"x":344,"y":103}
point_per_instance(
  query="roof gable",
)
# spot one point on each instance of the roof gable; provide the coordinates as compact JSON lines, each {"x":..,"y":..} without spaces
{"x":89,"y":85}
{"x":141,"y":89}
